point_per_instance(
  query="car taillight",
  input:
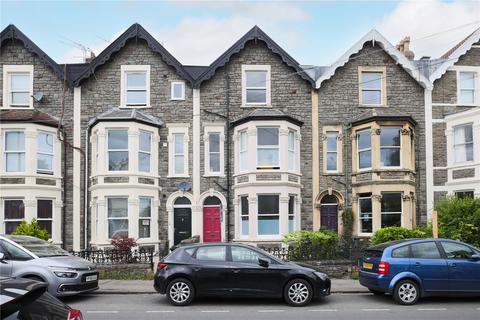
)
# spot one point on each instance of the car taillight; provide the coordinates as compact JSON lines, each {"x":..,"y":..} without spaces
{"x":74,"y":314}
{"x":383,"y":267}
{"x":162,"y":265}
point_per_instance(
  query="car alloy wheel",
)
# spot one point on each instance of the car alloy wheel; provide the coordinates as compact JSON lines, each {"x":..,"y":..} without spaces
{"x":180,"y":292}
{"x":406,"y":292}
{"x":298,"y":292}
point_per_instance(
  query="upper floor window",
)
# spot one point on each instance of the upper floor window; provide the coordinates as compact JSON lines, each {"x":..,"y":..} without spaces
{"x":144,"y":151}
{"x":18,"y":86}
{"x":463,"y":143}
{"x":117,"y":149}
{"x":391,"y":207}
{"x":267,"y":148}
{"x":364,"y":147}
{"x":14,"y":151}
{"x":332,"y":151}
{"x":291,"y":150}
{"x":135,"y":86}
{"x":256,"y":84}
{"x":178,"y":149}
{"x":214,"y":152}
{"x":372,"y":85}
{"x":390,"y":147}
{"x":45,"y":152}
{"x":466,"y":87}
{"x":243,"y":150}
{"x":179,"y":153}
{"x":178,"y":90}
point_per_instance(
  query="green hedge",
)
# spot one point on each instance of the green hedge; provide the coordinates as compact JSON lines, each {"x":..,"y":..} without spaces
{"x":31,"y":229}
{"x":459,"y":219}
{"x":307,"y":245}
{"x":399,"y":233}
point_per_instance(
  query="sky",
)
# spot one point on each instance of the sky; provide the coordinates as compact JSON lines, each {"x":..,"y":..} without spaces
{"x":197,"y":32}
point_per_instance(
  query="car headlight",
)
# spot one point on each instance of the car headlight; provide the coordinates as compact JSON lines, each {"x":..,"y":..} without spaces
{"x":64,"y":274}
{"x":321,"y":275}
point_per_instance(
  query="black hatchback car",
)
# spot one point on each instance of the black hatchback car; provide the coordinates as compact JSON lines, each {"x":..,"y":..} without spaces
{"x":235,"y":270}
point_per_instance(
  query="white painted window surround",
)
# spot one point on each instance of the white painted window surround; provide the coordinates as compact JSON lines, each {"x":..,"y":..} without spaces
{"x":214,"y":149}
{"x":17,"y":87}
{"x":135,"y":86}
{"x":256,"y":87}
{"x":177,"y":90}
{"x":372,"y":86}
{"x":178,"y":149}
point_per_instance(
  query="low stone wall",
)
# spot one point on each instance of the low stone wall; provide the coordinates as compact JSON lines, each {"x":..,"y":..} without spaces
{"x":334,"y":268}
{"x":134,"y":270}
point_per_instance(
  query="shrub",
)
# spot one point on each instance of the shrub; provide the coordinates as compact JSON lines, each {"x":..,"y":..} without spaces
{"x":309,"y":245}
{"x":347,"y":222}
{"x":399,"y":233}
{"x":123,"y":242}
{"x":459,"y":219}
{"x":31,"y":229}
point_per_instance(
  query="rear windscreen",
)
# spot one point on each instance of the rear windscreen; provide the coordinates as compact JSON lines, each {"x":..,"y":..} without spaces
{"x":372,"y":254}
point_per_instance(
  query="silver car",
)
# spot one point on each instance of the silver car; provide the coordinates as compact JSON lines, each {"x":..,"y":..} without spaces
{"x":33,"y":258}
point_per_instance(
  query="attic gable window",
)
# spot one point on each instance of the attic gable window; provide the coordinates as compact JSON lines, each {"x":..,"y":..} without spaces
{"x":17,"y":86}
{"x":256,"y":85}
{"x":372,"y":86}
{"x":135,"y":85}
{"x":466,"y":87}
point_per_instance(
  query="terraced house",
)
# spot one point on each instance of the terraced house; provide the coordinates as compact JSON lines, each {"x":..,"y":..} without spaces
{"x":248,"y":148}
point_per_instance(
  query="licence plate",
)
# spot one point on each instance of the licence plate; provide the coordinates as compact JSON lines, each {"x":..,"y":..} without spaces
{"x":367,"y":265}
{"x":91,"y":278}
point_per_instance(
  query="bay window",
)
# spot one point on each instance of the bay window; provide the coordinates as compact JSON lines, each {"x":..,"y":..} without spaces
{"x":244,"y":216}
{"x":243,"y":150}
{"x":267,"y":148}
{"x":268,"y":215}
{"x":332,"y":151}
{"x":118,"y":150}
{"x":145,"y":214}
{"x":45,"y":154}
{"x":117,"y":213}
{"x":14,"y":214}
{"x":463,"y":143}
{"x":45,"y":214}
{"x":365,"y":213}
{"x":466,"y":85}
{"x":364,"y":147}
{"x":391,"y":209}
{"x":390,"y":147}
{"x":291,"y":150}
{"x":14,"y":151}
{"x":291,"y":213}
{"x":144,"y":151}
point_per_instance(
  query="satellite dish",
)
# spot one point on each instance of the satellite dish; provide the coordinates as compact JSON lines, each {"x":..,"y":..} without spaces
{"x":38,"y":97}
{"x":185,"y":186}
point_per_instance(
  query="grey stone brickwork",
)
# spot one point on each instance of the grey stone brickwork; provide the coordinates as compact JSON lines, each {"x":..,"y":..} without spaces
{"x":445,"y":88}
{"x":439,"y":177}
{"x":440,"y":142}
{"x":463,"y":173}
{"x":339,"y":104}
{"x":45,"y":80}
{"x":289,"y":93}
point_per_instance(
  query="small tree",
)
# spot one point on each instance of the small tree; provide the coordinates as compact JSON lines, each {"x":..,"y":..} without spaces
{"x":123,"y":242}
{"x":31,"y":229}
{"x":459,"y":219}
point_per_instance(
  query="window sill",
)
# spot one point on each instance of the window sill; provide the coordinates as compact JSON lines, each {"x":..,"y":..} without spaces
{"x":256,"y":105}
{"x":179,"y":176}
{"x":135,"y":107}
{"x":177,"y":99}
{"x":214,"y":176}
{"x":15,"y":108}
{"x":361,"y":105}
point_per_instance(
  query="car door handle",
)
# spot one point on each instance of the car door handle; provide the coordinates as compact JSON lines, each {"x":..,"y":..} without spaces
{"x":196,"y":269}
{"x":453,"y":265}
{"x":236,"y":270}
{"x":417,"y":264}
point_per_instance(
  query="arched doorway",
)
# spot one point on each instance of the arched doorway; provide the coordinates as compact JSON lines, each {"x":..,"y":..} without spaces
{"x":212,"y":230}
{"x":329,"y":212}
{"x":182,"y":219}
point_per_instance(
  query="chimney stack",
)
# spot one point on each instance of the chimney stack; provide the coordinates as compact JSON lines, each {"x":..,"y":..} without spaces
{"x":90,"y":58}
{"x":404,"y":47}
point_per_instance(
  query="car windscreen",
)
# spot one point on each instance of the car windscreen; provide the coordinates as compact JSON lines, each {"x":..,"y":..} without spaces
{"x":40,"y":247}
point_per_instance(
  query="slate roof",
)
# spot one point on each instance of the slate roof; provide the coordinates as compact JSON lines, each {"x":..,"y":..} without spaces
{"x":255,"y":34}
{"x":136,"y":31}
{"x":12,"y":33}
{"x":30,"y":116}
{"x":117,"y":114}
{"x":266,"y":114}
{"x":382,"y":113}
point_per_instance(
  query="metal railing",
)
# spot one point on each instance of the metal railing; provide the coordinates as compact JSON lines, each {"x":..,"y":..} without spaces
{"x":115,"y":256}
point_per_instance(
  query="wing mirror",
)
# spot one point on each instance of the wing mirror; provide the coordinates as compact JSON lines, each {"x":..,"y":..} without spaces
{"x":263,"y":263}
{"x":475,"y":257}
{"x":2,"y":257}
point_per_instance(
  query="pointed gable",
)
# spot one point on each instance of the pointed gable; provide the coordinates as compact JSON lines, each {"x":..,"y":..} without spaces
{"x":377,"y":39}
{"x":255,"y":34}
{"x":136,"y":31}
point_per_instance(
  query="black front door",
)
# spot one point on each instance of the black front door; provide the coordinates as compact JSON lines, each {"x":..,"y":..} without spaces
{"x":182,"y":224}
{"x":329,"y":216}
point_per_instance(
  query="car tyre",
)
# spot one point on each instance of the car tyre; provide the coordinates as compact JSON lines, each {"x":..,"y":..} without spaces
{"x":376,"y":292}
{"x":407,"y":292}
{"x":298,"y":293}
{"x":180,"y":292}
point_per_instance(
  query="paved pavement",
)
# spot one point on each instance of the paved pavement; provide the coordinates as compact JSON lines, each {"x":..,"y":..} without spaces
{"x":141,"y":286}
{"x":336,"y":306}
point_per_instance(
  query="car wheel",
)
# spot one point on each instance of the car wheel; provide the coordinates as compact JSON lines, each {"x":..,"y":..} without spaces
{"x":180,"y":292}
{"x":376,"y":292}
{"x":406,"y":292}
{"x":298,"y":293}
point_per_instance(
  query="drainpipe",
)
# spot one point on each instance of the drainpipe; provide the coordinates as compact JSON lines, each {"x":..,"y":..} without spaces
{"x":228,"y":157}
{"x":85,"y":209}
{"x":346,"y":129}
{"x":64,"y":200}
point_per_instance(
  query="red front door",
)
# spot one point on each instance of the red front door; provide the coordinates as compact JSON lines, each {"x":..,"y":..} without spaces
{"x":211,"y":224}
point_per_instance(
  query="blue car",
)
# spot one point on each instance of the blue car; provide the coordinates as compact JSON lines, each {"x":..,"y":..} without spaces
{"x":415,"y":268}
